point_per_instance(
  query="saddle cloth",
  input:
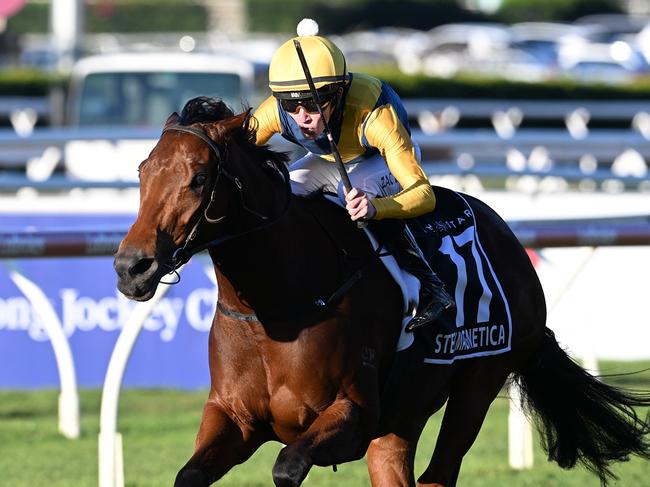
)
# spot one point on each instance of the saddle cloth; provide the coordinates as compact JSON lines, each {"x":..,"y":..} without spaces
{"x":450,"y":240}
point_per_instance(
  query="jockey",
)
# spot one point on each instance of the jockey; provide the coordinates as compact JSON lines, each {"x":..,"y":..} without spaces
{"x":369,"y":125}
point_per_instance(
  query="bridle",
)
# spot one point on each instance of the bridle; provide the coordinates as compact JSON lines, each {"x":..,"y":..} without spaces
{"x":183,"y":253}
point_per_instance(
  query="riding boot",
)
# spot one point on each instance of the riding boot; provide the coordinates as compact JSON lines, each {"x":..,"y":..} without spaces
{"x":434,"y":299}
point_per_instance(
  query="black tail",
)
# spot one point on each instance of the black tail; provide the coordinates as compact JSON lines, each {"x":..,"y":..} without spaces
{"x":580,"y":418}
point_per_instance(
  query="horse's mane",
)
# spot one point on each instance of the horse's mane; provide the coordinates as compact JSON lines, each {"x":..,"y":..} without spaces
{"x":209,"y":109}
{"x":204,"y":109}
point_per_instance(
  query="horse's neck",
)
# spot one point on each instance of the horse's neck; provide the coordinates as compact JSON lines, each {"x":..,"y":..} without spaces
{"x":290,"y":264}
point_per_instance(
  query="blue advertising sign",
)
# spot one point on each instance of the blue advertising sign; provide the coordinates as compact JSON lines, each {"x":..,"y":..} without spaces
{"x":171,"y":350}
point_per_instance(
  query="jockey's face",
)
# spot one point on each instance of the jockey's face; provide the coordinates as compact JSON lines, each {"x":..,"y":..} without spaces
{"x":311,"y":123}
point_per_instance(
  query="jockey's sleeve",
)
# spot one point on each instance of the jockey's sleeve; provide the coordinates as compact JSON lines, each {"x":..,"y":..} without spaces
{"x":268,"y":120}
{"x":384,"y":131}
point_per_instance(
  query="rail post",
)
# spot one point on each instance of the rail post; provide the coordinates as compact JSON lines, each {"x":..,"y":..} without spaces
{"x":111,"y":463}
{"x":520,"y":433}
{"x":68,"y":397}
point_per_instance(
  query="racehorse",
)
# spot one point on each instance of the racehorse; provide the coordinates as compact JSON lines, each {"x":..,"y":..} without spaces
{"x":302,"y":349}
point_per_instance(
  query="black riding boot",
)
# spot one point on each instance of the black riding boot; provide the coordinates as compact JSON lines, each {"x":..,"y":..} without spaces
{"x":434,"y":299}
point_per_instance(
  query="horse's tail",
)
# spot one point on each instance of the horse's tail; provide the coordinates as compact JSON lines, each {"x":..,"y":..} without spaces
{"x":580,"y":418}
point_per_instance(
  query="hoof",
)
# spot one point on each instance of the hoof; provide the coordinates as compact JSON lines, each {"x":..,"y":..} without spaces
{"x":191,"y":478}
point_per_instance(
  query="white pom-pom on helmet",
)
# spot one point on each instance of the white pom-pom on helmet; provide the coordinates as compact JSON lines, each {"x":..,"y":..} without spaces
{"x":325,"y":60}
{"x":307,"y":27}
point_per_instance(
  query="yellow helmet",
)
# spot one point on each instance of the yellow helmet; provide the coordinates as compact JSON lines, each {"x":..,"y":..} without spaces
{"x":325,"y":61}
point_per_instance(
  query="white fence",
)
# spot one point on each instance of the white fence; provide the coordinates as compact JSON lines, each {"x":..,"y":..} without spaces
{"x":505,"y":145}
{"x":100,"y":158}
{"x":604,"y":144}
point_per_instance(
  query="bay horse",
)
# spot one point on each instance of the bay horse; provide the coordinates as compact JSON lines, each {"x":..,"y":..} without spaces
{"x":302,"y":349}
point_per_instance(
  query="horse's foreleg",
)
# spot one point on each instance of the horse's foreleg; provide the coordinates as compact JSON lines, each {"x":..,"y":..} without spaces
{"x":470,"y":397}
{"x":220,"y":445}
{"x":334,"y":437}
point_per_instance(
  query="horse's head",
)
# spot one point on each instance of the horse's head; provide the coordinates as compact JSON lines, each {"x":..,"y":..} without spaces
{"x":186,"y":185}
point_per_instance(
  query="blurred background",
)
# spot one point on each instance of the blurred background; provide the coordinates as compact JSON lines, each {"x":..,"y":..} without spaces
{"x":541,"y":108}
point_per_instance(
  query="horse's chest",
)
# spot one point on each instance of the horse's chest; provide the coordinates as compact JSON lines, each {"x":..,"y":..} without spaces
{"x":304,"y":378}
{"x":286,"y":383}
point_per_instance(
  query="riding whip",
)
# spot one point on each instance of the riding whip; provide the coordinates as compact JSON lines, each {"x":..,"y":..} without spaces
{"x":335,"y":150}
{"x":328,"y":134}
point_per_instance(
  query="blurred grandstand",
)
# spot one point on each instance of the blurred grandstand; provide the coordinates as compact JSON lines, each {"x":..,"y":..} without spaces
{"x":605,"y":48}
{"x":617,"y":49}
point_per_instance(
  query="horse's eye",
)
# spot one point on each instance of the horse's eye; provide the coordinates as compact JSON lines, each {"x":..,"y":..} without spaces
{"x":198,"y":181}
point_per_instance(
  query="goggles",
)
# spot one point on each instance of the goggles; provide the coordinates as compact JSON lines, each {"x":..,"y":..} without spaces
{"x":309,"y":104}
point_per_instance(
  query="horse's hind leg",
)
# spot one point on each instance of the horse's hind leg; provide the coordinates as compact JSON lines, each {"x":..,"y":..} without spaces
{"x":390,"y":461}
{"x":474,"y":387}
{"x":220,"y":445}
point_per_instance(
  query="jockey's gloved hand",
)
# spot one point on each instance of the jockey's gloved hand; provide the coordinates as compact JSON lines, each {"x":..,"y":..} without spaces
{"x":359,"y":205}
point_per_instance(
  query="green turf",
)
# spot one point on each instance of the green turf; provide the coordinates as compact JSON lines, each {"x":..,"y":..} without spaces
{"x":158,"y":428}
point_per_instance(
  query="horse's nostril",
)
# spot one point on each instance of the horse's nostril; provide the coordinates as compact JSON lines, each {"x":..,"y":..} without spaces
{"x":140,"y":267}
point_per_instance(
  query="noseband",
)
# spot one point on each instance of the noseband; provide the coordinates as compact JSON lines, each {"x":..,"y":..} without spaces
{"x":181,"y":255}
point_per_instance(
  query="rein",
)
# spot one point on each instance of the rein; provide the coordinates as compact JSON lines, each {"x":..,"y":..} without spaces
{"x":181,"y":255}
{"x":319,"y":303}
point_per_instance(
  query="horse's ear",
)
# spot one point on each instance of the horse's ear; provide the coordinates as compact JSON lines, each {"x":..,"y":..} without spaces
{"x":172,"y":120}
{"x":233,"y":123}
{"x":223,"y":128}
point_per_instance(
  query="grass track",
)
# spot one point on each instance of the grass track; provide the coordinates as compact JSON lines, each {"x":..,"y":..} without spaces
{"x":158,"y":428}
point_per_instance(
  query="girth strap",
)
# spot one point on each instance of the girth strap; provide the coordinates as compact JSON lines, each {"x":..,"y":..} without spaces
{"x":231,"y":313}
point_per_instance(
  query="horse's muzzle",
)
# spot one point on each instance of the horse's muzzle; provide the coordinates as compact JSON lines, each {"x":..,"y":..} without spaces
{"x":138,"y":274}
